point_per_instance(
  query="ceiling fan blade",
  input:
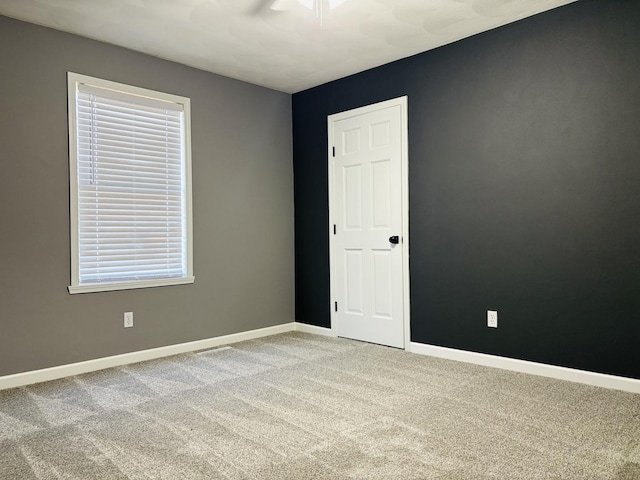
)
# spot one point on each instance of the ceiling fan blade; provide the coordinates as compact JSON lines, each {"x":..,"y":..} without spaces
{"x":261,"y":6}
{"x":281,"y":5}
{"x":264,"y":6}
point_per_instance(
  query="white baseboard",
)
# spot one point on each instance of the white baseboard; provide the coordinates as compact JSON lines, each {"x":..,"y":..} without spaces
{"x":53,"y":373}
{"x":562,"y":373}
{"x":306,"y":328}
{"x":552,"y":371}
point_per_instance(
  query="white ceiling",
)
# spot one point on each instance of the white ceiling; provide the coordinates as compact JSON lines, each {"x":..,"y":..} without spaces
{"x":284,"y":50}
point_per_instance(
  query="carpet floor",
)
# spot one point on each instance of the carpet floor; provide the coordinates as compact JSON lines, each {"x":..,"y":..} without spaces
{"x":300,"y":406}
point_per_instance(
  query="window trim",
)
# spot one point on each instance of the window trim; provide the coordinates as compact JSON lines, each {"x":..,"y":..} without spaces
{"x":73,"y":82}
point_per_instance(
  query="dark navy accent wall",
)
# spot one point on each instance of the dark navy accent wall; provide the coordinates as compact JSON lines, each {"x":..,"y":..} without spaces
{"x":524,"y":188}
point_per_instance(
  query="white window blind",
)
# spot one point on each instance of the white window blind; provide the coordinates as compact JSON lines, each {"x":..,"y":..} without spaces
{"x":132,"y":201}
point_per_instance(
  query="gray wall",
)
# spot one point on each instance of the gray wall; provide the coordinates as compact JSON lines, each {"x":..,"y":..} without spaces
{"x":524,"y":187}
{"x":242,"y":195}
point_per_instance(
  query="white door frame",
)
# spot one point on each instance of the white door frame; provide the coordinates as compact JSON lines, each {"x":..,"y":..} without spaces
{"x":404,"y":244}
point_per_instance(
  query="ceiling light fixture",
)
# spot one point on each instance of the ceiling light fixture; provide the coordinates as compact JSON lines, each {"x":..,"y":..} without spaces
{"x":320,"y":6}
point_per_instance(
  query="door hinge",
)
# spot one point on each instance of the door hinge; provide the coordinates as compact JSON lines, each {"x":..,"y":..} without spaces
{"x":334,"y":228}
{"x":335,"y":305}
{"x":334,"y":151}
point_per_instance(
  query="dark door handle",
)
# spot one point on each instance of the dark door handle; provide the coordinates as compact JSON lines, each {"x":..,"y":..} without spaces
{"x":395,"y":239}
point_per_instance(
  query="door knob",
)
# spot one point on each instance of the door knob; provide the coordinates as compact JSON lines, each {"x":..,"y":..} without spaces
{"x":395,"y":239}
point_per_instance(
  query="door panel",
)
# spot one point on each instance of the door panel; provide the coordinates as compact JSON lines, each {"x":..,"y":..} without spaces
{"x":379,"y":135}
{"x":383,"y":294}
{"x":381,"y":194}
{"x":367,"y":204}
{"x":353,"y":283}
{"x":352,"y":216}
{"x":351,"y":141}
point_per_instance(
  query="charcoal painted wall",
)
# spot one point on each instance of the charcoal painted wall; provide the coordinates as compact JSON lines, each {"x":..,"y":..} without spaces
{"x":524,"y":159}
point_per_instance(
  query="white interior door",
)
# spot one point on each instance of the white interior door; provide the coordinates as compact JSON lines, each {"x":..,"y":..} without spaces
{"x":366,"y":187}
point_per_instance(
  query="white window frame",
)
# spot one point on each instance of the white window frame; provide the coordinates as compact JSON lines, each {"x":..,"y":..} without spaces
{"x":74,"y":81}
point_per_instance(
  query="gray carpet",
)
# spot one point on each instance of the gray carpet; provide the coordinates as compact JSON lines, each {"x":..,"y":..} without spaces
{"x":298,"y":406}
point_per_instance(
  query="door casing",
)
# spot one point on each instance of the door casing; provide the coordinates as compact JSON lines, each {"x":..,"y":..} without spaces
{"x":404,"y":244}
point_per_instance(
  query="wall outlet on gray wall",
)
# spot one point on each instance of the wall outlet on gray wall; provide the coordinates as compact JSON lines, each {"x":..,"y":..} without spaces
{"x":128,"y":319}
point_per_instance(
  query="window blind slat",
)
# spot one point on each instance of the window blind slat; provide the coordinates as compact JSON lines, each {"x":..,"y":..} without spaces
{"x":119,"y":198}
{"x":120,"y":188}
{"x":106,"y":142}
{"x":99,"y":104}
{"x":116,"y":157}
{"x":120,"y":151}
{"x":144,"y":130}
{"x":138,"y":182}
{"x":116,"y":136}
{"x":125,"y":169}
{"x":104,"y":118}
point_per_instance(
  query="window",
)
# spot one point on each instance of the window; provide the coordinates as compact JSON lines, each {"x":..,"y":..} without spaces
{"x":130,"y":178}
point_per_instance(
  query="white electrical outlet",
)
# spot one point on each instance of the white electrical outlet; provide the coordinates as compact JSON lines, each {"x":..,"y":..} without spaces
{"x":128,"y":319}
{"x":492,"y":318}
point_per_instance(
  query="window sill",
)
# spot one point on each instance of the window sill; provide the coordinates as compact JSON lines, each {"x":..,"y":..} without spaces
{"x":109,"y":287}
